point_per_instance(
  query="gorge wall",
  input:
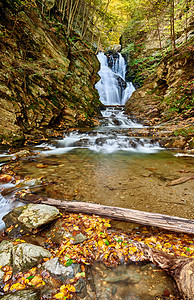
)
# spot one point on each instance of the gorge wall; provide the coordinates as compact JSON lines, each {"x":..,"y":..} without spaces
{"x":165,"y":83}
{"x":46,"y":78}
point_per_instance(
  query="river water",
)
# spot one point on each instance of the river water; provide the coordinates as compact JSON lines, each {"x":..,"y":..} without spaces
{"x":105,"y":165}
{"x":111,"y":164}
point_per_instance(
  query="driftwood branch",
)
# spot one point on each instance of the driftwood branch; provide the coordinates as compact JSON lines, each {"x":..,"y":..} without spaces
{"x":180,"y":180}
{"x":151,"y":219}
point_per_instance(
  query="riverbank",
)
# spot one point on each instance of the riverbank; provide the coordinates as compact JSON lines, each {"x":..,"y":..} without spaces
{"x":57,"y":255}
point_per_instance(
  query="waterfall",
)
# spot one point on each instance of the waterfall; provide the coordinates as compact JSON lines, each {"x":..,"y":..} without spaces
{"x":112,"y":87}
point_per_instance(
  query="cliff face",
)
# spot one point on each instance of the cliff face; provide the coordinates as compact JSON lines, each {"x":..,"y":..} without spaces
{"x":165,"y":83}
{"x":170,"y":88}
{"x":46,"y":79}
{"x":166,"y":99}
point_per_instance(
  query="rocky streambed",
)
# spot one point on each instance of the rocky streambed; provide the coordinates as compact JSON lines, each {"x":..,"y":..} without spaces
{"x":49,"y":254}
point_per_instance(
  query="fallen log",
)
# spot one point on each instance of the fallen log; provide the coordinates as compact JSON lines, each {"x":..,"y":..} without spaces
{"x":167,"y":222}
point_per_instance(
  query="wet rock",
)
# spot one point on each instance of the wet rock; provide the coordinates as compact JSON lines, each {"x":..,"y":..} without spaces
{"x":79,"y":238}
{"x":22,"y":295}
{"x":56,"y":268}
{"x":6,"y":249}
{"x":22,"y":256}
{"x":100,"y":141}
{"x":27,"y":255}
{"x":130,"y":277}
{"x":58,"y":232}
{"x":12,"y":218}
{"x":117,"y":122}
{"x":179,"y":143}
{"x":22,"y":153}
{"x":36,"y":215}
{"x":29,"y":218}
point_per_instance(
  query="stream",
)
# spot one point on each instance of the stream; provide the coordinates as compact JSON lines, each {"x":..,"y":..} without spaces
{"x":107,"y":165}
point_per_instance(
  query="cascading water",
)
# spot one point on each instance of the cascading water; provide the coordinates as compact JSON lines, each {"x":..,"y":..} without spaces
{"x":112,"y":134}
{"x":112,"y":88}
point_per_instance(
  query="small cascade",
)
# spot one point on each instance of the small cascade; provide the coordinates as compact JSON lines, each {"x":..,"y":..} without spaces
{"x":112,"y":87}
{"x":110,"y":137}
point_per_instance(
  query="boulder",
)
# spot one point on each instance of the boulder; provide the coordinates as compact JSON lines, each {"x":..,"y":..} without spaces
{"x":64,"y":273}
{"x":26,"y":256}
{"x":58,"y":232}
{"x":6,"y":250}
{"x":21,"y":256}
{"x":36,"y":215}
{"x":30,"y":218}
{"x":56,"y":268}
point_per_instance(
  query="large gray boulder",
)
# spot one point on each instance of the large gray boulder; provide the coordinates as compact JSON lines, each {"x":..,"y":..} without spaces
{"x":6,"y":249}
{"x":21,"y":257}
{"x":37,"y":215}
{"x":27,"y":255}
{"x":56,"y":268}
{"x":29,"y":218}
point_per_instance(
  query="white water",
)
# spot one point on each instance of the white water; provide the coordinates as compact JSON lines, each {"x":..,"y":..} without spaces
{"x":109,"y":137}
{"x":119,"y":65}
{"x":108,"y":87}
{"x":116,"y":116}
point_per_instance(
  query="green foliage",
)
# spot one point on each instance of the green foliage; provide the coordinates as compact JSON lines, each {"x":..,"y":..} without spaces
{"x":181,"y":101}
{"x":130,"y":48}
{"x":184,"y":132}
{"x":141,"y":68}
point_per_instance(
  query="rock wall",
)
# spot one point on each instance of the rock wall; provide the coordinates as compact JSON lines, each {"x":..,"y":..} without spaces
{"x":46,"y":79}
{"x":166,"y":99}
{"x":164,"y":83}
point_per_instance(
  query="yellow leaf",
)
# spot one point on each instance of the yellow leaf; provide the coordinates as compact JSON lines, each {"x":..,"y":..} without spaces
{"x":100,"y":243}
{"x":6,"y":288}
{"x":17,"y":286}
{"x":89,"y":229}
{"x":76,"y":228}
{"x":36,"y":280}
{"x":71,"y":289}
{"x":59,"y":296}
{"x":132,"y":250}
{"x":67,"y":287}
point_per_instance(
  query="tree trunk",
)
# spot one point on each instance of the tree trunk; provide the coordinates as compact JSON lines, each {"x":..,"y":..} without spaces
{"x":70,"y":24}
{"x":186,"y":20}
{"x":159,"y":37}
{"x":151,"y":219}
{"x":108,"y":2}
{"x":172,"y":29}
{"x":87,"y":19}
